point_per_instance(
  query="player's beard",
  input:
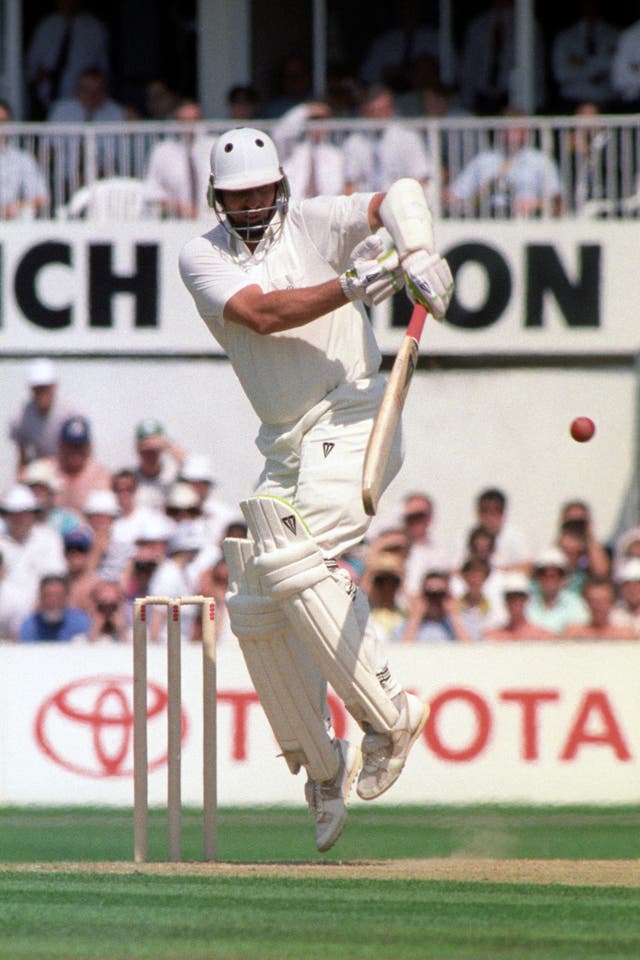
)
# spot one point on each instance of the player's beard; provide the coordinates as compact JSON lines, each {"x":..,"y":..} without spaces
{"x":250,"y":225}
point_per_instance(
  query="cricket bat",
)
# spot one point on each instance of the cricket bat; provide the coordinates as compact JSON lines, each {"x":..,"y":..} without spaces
{"x":388,"y":416}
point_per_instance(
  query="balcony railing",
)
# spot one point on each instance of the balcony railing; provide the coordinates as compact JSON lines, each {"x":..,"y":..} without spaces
{"x":597,"y":160}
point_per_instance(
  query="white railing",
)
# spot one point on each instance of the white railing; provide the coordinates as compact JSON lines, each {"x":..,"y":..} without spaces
{"x":598,"y":159}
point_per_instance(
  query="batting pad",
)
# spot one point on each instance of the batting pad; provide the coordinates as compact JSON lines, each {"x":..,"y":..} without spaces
{"x":291,"y":689}
{"x":292,"y":571}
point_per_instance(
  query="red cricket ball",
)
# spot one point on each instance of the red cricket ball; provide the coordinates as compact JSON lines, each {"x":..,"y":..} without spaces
{"x":582,"y":429}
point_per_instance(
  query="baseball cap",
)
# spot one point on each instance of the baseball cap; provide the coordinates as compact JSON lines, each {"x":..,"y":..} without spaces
{"x":515,"y":582}
{"x":551,"y":557}
{"x":102,"y":501}
{"x":149,"y":428}
{"x":75,"y":430}
{"x":630,"y":570}
{"x":197,"y":466}
{"x":19,"y":498}
{"x":41,"y":373}
{"x":80,"y":538}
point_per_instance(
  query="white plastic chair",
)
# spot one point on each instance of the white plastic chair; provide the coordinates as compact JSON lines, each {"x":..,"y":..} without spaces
{"x":114,"y":198}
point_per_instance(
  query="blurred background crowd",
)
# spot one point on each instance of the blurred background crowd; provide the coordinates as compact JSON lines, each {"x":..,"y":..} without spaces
{"x":385,"y":72}
{"x":81,"y":539}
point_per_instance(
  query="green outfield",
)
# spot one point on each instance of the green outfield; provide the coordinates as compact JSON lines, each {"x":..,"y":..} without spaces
{"x":507,"y":883}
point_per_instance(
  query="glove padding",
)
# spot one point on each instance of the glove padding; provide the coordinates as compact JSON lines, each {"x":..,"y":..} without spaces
{"x":429,"y":281}
{"x":375,"y":272}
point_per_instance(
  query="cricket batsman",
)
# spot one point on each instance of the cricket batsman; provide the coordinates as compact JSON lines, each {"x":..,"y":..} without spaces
{"x":282,"y":285}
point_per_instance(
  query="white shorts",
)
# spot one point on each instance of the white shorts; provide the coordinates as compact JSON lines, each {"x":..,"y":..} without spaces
{"x":316,"y":464}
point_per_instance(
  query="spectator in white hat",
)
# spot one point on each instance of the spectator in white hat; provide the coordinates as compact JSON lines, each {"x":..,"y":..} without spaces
{"x":198,"y":473}
{"x":30,"y":550}
{"x":175,"y":577}
{"x":626,"y":611}
{"x":552,"y":605}
{"x":517,"y":626}
{"x":41,"y":476}
{"x":36,"y":429}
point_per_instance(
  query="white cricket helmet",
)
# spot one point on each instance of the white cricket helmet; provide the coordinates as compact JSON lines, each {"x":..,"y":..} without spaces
{"x":244,"y":158}
{"x":241,"y":159}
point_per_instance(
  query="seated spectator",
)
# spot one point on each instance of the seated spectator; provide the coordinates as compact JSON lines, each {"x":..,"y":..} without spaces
{"x":488,"y":60}
{"x":64,"y":43}
{"x":313,"y":164}
{"x":425,"y":553}
{"x":36,"y":431}
{"x":581,"y":58}
{"x":108,"y":613}
{"x":78,"y":472}
{"x":159,"y":460}
{"x":510,"y":549}
{"x":626,"y":611}
{"x":600,"y":596}
{"x":150,"y":550}
{"x":295,"y":84}
{"x":41,"y":476}
{"x":30,"y":550}
{"x":23,"y":186}
{"x":373,"y":160}
{"x":552,"y":605}
{"x":593,"y":174}
{"x":54,"y":619}
{"x":174,"y":577}
{"x":128,"y":522}
{"x":243,"y":102}
{"x":517,"y":626}
{"x":382,"y":582}
{"x":160,"y":101}
{"x":90,"y":104}
{"x":100,"y":513}
{"x":626,"y":547}
{"x":514,"y":178}
{"x":11,"y":608}
{"x":472,"y":603}
{"x":81,"y":568}
{"x":481,"y":547}
{"x":197,"y":472}
{"x":434,"y":618}
{"x":177,"y":174}
{"x":576,"y":518}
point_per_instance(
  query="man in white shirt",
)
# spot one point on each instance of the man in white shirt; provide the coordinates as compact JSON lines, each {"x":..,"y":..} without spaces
{"x":177,"y":174}
{"x":373,"y":160}
{"x":274,"y":285}
{"x":90,"y":104}
{"x":23,"y":186}
{"x":625,"y":67}
{"x":30,"y":550}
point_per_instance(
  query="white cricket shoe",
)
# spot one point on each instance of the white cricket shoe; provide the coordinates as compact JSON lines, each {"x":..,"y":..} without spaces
{"x":385,"y":754}
{"x":327,"y":799}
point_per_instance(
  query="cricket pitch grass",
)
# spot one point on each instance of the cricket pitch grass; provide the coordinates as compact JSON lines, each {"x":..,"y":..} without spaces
{"x":430,"y":883}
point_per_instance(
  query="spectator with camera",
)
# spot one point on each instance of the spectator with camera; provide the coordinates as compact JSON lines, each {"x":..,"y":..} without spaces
{"x":434,"y":618}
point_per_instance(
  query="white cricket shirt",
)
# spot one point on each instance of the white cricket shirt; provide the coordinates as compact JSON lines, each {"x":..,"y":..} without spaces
{"x":285,"y":374}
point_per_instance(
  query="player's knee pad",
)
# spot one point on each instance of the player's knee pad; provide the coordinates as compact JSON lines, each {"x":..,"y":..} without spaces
{"x":292,"y":570}
{"x":291,"y":689}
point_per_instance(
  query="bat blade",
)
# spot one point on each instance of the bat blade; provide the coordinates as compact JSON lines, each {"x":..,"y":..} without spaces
{"x":389,"y":413}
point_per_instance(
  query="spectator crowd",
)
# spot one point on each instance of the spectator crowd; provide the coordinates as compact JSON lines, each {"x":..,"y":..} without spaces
{"x":586,"y":69}
{"x":80,"y":540}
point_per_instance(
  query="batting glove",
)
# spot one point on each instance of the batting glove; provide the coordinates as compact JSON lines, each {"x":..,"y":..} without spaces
{"x":429,"y":281}
{"x":375,"y":272}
